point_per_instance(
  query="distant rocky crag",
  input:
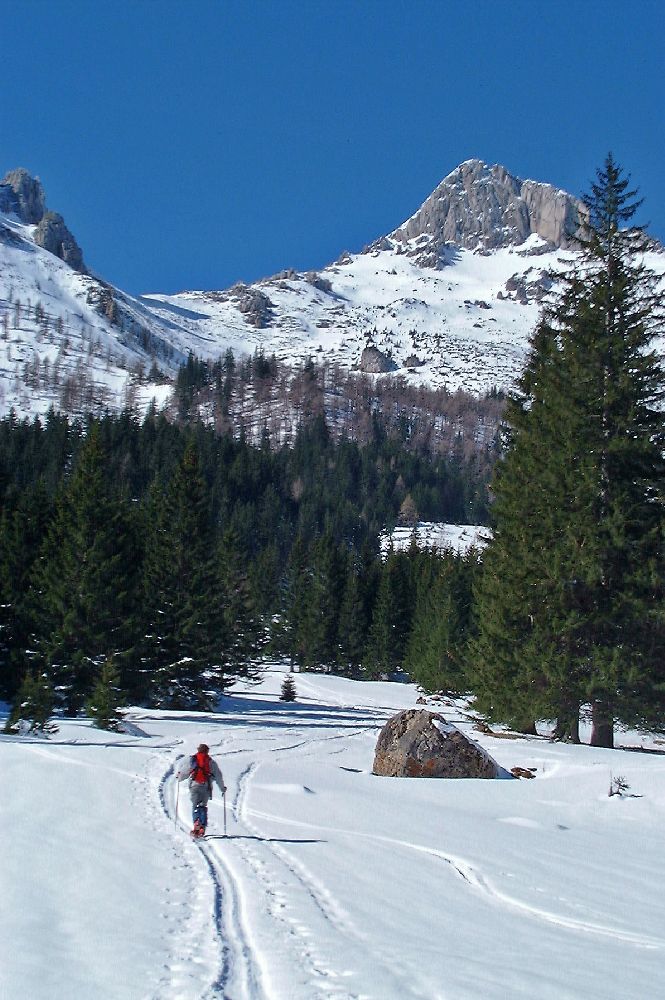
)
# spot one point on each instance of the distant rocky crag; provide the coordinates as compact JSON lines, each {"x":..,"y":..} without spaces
{"x":480,"y":207}
{"x":23,"y":195}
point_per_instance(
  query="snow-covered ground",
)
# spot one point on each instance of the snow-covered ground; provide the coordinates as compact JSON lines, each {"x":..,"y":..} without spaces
{"x":331,"y":882}
{"x":437,"y":535}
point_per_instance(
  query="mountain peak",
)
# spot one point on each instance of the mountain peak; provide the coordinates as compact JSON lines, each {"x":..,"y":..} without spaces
{"x":479,"y":206}
{"x":22,"y":195}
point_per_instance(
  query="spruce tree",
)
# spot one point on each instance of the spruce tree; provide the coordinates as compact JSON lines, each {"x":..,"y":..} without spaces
{"x":83,"y":583}
{"x":107,"y":697}
{"x":434,"y":652}
{"x":570,"y":600}
{"x":288,"y":690}
{"x":33,"y":708}
{"x":181,"y":652}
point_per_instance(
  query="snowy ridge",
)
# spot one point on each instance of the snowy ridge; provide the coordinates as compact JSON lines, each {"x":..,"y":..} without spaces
{"x":439,"y":314}
{"x":331,"y":883}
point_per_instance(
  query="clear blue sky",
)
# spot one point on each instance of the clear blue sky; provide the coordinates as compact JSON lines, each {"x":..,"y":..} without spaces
{"x":192,"y":143}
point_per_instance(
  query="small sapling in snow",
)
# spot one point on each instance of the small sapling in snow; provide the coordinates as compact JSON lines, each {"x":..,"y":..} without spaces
{"x":618,"y":785}
{"x":289,"y":692}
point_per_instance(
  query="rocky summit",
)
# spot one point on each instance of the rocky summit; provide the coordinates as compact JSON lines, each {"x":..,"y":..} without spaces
{"x":481,"y":207}
{"x":447,"y":300}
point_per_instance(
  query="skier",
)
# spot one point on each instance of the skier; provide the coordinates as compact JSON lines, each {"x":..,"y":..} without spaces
{"x":201,"y":770}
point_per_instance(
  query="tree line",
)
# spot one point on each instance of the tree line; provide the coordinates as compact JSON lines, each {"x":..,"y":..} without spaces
{"x":166,"y":560}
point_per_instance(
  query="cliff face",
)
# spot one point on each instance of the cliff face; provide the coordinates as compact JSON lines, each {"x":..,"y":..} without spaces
{"x":23,"y":196}
{"x":481,"y":207}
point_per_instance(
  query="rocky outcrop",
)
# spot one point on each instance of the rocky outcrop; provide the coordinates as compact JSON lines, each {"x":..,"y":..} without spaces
{"x":255,"y":305}
{"x":100,"y":297}
{"x":52,"y":234}
{"x":23,"y":196}
{"x":375,"y":362}
{"x":420,"y":744}
{"x":481,"y":207}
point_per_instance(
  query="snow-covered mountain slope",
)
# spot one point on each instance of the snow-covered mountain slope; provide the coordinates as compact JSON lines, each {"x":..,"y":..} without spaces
{"x":448,"y":299}
{"x":332,"y":883}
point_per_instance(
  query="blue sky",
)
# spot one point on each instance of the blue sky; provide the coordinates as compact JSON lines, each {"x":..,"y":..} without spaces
{"x":194,"y":143}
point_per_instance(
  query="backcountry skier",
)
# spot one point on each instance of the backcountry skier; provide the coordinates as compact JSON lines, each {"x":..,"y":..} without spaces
{"x":201,"y":770}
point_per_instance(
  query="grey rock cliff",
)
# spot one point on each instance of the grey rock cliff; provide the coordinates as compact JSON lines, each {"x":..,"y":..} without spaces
{"x":23,"y":195}
{"x":481,"y":207}
{"x":52,"y":234}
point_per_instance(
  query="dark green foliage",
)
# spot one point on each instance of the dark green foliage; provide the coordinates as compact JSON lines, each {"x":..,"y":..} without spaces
{"x":182,"y":648}
{"x":435,"y":653}
{"x":288,"y":690}
{"x":106,"y":698}
{"x":392,"y":615}
{"x":184,"y":554}
{"x":83,"y":584}
{"x":22,"y":530}
{"x":570,"y":600}
{"x":34,"y":705}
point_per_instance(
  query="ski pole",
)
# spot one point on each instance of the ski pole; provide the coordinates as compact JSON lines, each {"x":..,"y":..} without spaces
{"x":177,"y":793}
{"x":224,"y":797}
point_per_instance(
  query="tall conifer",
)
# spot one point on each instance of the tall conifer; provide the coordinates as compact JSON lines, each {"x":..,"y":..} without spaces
{"x":570,"y":600}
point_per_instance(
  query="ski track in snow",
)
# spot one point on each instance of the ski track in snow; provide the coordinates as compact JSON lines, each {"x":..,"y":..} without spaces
{"x":303,"y":914}
{"x":469,"y":874}
{"x":290,"y":880}
{"x":268,"y":918}
{"x":218,"y":903}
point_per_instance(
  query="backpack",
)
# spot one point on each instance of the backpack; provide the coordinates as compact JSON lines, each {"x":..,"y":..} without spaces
{"x":200,"y":770}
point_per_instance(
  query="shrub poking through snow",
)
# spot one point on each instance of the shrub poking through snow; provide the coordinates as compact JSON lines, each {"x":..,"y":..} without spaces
{"x":618,"y":785}
{"x":289,"y":692}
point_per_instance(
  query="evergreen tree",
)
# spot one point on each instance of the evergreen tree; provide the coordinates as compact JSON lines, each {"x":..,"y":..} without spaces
{"x":570,"y":600}
{"x":353,"y":619}
{"x":34,"y":705}
{"x":237,"y":622}
{"x":107,"y":697}
{"x":434,"y":653}
{"x":83,"y":584}
{"x":288,"y":690}
{"x":391,"y":616}
{"x":22,"y":532}
{"x":182,"y":650}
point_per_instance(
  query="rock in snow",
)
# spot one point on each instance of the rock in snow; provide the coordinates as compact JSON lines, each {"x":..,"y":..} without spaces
{"x":421,"y":744}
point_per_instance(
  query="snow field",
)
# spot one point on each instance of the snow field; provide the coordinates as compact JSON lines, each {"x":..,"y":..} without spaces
{"x":331,"y":883}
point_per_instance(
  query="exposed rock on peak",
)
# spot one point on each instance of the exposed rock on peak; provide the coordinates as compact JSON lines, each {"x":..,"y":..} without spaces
{"x":481,"y":207}
{"x":52,"y":234}
{"x":23,"y":195}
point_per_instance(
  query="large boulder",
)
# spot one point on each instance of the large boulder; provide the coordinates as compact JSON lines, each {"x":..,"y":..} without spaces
{"x":420,"y":744}
{"x":375,"y":362}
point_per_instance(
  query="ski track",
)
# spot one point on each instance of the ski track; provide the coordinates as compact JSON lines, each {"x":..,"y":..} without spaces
{"x":289,"y":879}
{"x":240,"y":875}
{"x":235,"y":977}
{"x":481,"y":883}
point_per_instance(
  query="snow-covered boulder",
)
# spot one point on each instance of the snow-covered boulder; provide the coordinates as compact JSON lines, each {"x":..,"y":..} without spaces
{"x":419,"y":744}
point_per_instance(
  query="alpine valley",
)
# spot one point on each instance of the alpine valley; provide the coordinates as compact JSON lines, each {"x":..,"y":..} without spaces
{"x":445,"y":301}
